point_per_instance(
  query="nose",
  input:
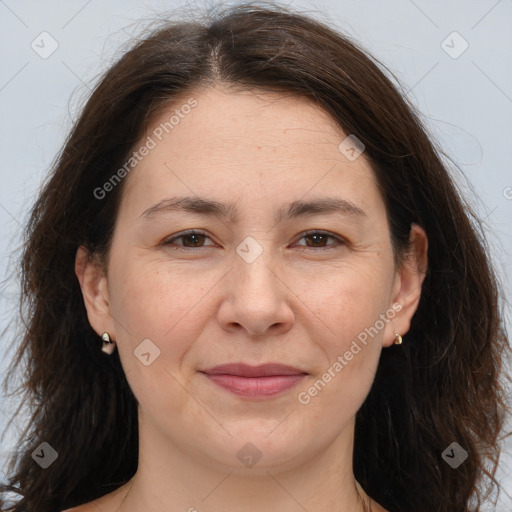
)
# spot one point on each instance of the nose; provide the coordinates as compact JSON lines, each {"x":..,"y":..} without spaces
{"x":256,"y":299}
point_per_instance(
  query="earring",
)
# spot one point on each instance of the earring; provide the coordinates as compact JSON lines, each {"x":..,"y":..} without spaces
{"x":398,"y":339}
{"x":108,"y":345}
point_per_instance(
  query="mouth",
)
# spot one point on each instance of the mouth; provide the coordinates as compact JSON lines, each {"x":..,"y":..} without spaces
{"x":261,"y":381}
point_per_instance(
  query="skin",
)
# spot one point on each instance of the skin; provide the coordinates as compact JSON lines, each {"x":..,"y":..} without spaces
{"x":301,"y":302}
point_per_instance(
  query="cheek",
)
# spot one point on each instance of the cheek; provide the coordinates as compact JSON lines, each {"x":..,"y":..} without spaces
{"x":351,"y":307}
{"x":151,"y":302}
{"x":169,"y":310}
{"x":166,"y":309}
{"x":352,"y":302}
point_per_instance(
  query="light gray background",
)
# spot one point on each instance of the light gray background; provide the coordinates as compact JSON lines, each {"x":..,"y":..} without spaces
{"x":466,"y":101}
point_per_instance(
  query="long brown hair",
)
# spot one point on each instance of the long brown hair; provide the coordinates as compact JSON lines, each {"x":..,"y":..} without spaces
{"x":441,"y":386}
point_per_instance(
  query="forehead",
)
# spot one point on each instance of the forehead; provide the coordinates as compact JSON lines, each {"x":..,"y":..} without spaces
{"x":233,"y":121}
{"x":229,"y":143}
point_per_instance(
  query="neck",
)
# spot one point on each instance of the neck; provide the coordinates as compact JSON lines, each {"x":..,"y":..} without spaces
{"x":169,"y":478}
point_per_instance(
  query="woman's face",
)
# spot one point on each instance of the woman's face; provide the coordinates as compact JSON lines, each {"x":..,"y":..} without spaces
{"x":291,"y":264}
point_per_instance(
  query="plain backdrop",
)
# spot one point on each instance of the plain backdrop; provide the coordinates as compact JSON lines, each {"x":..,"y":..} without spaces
{"x":452,"y":59}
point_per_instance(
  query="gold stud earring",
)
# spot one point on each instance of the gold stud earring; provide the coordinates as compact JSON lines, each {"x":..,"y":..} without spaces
{"x":398,"y":339}
{"x":108,"y":345}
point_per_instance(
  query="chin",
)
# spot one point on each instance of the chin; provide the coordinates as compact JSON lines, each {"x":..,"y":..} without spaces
{"x":256,"y":449}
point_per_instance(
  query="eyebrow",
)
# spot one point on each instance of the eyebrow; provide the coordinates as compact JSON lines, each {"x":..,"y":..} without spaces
{"x":229,"y":211}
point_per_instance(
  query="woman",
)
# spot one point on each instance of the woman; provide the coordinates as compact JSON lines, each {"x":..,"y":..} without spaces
{"x":250,"y":284}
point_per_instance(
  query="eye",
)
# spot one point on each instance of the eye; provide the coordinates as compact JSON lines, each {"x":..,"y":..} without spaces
{"x":318,"y":239}
{"x":191,"y":240}
{"x":195,"y":240}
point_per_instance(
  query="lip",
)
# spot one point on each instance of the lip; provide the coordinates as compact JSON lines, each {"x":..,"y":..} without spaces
{"x":245,"y":370}
{"x":261,"y":381}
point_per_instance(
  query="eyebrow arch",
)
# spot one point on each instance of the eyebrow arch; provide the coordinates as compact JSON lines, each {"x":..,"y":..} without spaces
{"x":298,"y":208}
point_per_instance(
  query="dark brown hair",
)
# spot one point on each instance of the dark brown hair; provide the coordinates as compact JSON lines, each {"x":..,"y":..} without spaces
{"x":441,"y":385}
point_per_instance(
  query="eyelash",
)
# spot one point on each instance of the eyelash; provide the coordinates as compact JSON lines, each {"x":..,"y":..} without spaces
{"x":169,"y":241}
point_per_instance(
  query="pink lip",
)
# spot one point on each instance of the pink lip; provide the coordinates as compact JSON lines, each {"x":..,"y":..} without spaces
{"x":255,"y":381}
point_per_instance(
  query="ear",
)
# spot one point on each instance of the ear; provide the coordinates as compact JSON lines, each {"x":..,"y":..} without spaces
{"x":93,"y":283}
{"x":407,"y":286}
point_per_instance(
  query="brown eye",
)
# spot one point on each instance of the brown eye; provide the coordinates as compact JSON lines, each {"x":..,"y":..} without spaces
{"x":319,"y":240}
{"x":316,"y":240}
{"x":190,"y":240}
{"x":195,"y":240}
